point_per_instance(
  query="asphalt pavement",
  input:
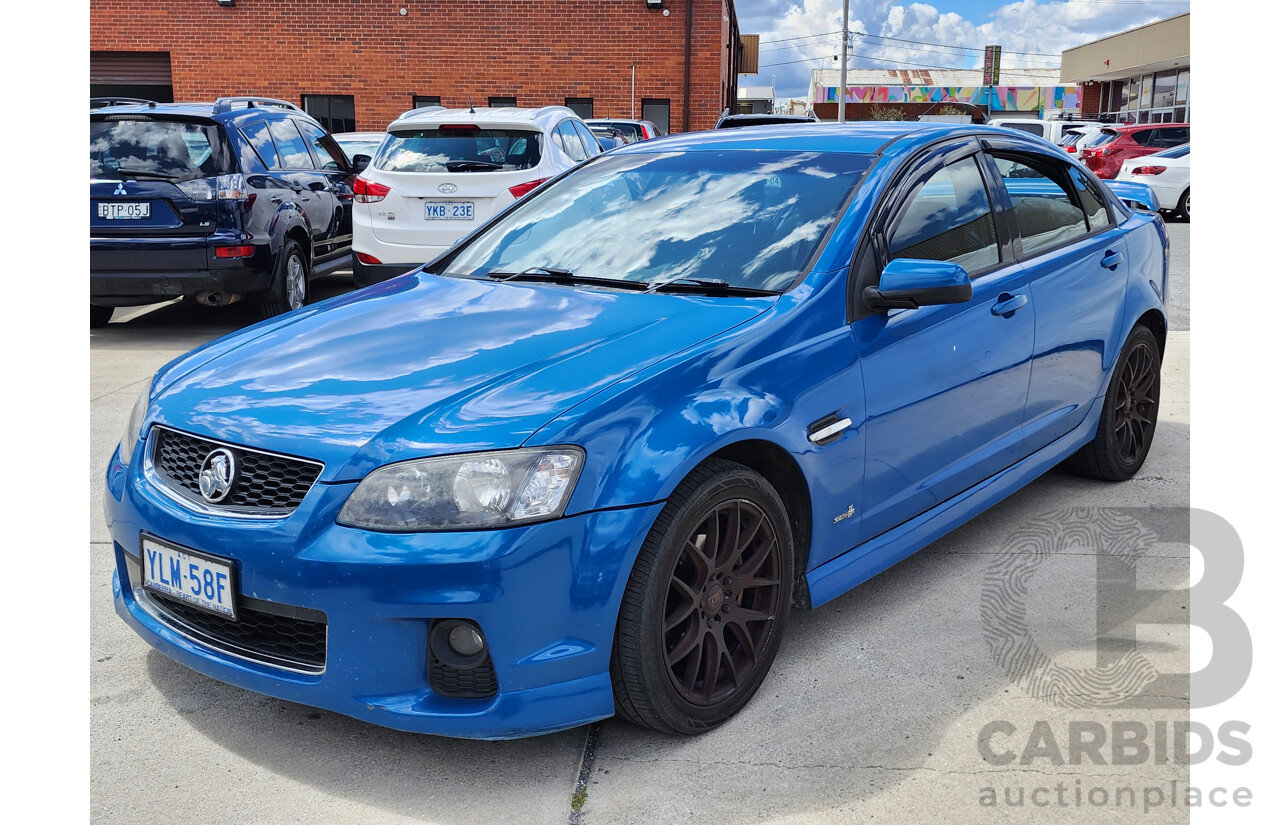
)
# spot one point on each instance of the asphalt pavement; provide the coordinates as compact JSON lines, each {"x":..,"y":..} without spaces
{"x":897,"y":702}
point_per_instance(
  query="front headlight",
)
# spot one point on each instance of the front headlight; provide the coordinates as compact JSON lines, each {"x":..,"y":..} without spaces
{"x":134,"y":428}
{"x":465,"y":492}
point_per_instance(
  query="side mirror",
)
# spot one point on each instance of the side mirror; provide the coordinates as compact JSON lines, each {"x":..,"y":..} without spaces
{"x":359,"y":163}
{"x":910,"y":283}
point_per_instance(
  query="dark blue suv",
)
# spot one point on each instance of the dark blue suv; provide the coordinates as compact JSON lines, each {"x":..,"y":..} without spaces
{"x":245,"y":197}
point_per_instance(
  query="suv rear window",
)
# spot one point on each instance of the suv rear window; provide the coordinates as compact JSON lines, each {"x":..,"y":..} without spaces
{"x":1105,"y":137}
{"x":460,"y":149}
{"x":175,"y":150}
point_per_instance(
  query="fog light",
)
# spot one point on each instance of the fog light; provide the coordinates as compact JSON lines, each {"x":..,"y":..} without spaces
{"x":459,"y":644}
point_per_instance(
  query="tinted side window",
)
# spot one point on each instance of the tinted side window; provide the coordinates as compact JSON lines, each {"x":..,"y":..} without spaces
{"x":571,"y":142}
{"x":260,"y":139}
{"x":1174,"y":136}
{"x":1095,"y":209}
{"x":1045,"y":213}
{"x":326,"y":148}
{"x":1142,"y":137}
{"x":293,"y":149}
{"x":588,"y":140}
{"x":948,"y":218}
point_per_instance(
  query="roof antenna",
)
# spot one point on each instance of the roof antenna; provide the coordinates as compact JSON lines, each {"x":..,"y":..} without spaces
{"x":470,"y":105}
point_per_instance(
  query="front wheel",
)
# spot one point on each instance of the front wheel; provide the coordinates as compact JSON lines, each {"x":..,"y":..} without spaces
{"x":1129,"y":413}
{"x":291,"y":287}
{"x":705,"y":607}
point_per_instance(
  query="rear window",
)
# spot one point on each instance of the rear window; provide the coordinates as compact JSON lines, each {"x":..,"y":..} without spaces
{"x":1104,"y":137}
{"x":173,"y":150}
{"x":1030,"y":127}
{"x":460,"y":149}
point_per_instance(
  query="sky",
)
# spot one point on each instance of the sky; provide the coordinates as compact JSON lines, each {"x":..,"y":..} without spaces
{"x":799,"y":35}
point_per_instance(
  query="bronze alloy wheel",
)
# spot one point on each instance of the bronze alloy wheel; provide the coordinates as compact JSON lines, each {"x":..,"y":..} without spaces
{"x":722,"y":602}
{"x":1129,"y":413}
{"x":705,"y":607}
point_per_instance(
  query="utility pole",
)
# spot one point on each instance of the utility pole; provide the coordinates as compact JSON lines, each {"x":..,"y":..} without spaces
{"x":844,"y":59}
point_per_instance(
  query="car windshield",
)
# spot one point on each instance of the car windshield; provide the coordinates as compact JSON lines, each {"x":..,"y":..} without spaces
{"x":122,"y":147}
{"x":628,"y":132}
{"x":462,"y":148}
{"x":361,"y":146}
{"x":749,"y":219}
{"x":1175,"y":152}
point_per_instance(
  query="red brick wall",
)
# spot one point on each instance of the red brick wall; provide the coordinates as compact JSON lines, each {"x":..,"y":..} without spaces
{"x":541,"y":51}
{"x":1090,"y":99}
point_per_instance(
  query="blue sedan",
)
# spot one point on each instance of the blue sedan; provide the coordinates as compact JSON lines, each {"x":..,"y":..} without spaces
{"x":588,"y":460}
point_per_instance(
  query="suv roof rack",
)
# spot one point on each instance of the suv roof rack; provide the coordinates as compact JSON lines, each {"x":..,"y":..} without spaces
{"x":102,"y":102}
{"x":225,"y":104}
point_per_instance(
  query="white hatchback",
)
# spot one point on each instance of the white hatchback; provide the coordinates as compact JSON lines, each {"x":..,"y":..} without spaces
{"x":1168,"y":173}
{"x":443,"y":172}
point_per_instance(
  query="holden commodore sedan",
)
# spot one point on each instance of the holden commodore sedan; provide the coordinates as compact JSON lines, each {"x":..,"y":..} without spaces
{"x":588,"y":460}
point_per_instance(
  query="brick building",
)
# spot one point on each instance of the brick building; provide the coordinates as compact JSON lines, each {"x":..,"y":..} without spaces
{"x":357,"y":64}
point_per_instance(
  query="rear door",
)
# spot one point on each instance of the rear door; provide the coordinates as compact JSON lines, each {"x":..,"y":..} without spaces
{"x":308,"y":185}
{"x":150,"y":208}
{"x":334,"y":171}
{"x":1074,"y":256}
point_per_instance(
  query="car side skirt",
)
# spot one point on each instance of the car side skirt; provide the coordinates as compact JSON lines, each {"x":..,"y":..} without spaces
{"x":860,"y":563}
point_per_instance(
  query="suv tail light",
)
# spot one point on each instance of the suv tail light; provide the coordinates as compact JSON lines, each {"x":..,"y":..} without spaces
{"x":520,"y":190}
{"x":222,"y":187}
{"x":1148,"y":170}
{"x":366,"y":258}
{"x":366,"y":191}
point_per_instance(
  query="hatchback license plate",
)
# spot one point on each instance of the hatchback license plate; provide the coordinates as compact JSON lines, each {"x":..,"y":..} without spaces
{"x":124,"y":211}
{"x":193,"y":578}
{"x":451,"y":210}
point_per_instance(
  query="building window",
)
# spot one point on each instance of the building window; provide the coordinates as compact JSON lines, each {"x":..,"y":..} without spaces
{"x":658,"y":111}
{"x":425,"y":100}
{"x":501,"y":102}
{"x":1184,"y":82}
{"x":337,"y":113}
{"x":583,"y":107}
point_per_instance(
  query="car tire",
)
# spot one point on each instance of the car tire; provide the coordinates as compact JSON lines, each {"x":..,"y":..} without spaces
{"x":698,"y":632}
{"x":291,"y":286}
{"x":99,"y":316}
{"x":1184,"y":206}
{"x":1129,"y":413}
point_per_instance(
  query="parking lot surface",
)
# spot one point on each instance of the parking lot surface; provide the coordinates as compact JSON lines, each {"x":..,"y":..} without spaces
{"x":880,"y":706}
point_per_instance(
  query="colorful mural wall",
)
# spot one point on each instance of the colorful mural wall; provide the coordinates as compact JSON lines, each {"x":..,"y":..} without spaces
{"x":995,"y":98}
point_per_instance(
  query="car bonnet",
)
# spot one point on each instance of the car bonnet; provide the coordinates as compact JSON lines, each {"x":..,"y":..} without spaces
{"x":425,"y":365}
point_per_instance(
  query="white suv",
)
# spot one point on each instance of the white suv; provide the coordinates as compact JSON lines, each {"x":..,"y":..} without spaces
{"x":443,"y":172}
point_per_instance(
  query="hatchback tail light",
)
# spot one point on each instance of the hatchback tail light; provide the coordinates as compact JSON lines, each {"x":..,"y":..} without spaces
{"x":523,"y":189}
{"x":366,"y":191}
{"x":1149,"y":170}
{"x":1070,"y":149}
{"x":1106,"y":151}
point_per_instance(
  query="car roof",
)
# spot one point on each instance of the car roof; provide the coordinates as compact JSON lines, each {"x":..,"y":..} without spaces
{"x":357,"y":135}
{"x":858,"y":138}
{"x":483,"y":116}
{"x":222,"y":108}
{"x":1130,"y":127}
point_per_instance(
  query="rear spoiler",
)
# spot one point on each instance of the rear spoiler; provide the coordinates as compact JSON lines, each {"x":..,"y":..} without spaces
{"x":1135,"y":195}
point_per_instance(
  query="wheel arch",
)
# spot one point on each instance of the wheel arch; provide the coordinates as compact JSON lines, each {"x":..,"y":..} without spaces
{"x":1154,"y":320}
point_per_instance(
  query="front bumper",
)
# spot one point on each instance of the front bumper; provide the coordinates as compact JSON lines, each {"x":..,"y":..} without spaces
{"x":546,"y":597}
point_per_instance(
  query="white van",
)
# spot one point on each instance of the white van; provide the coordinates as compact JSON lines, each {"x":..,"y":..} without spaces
{"x":1050,"y":130}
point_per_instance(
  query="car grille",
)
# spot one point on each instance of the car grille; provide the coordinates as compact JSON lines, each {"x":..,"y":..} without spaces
{"x":257,"y":635}
{"x":266,"y":484}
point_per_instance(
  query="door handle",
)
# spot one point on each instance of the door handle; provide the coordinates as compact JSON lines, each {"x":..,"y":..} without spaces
{"x":297,"y":187}
{"x":1112,"y":260}
{"x":276,"y":199}
{"x":1008,"y":304}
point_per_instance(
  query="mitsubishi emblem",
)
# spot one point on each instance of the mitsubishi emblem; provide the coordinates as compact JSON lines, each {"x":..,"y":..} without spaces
{"x":120,"y":189}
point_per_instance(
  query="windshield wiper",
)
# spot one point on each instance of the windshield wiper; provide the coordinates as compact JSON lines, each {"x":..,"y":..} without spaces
{"x":715,"y":286}
{"x":471,"y":166}
{"x":141,"y":173}
{"x":556,"y":275}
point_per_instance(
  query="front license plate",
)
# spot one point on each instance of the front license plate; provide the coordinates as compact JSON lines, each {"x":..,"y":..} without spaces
{"x":193,"y":578}
{"x":124,"y":211}
{"x":451,"y":210}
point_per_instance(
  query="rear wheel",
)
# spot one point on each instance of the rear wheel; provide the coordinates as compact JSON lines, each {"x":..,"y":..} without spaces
{"x":99,"y":316}
{"x":1129,"y":413}
{"x":704,"y":611}
{"x":291,"y":287}
{"x":1184,"y":205}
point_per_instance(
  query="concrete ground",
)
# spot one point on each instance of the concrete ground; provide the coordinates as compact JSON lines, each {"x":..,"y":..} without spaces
{"x":875,"y":709}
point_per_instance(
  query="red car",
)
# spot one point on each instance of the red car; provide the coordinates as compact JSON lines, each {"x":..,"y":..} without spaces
{"x":1121,"y":142}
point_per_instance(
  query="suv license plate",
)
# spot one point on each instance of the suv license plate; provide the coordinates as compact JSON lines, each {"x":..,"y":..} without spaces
{"x":124,"y":211}
{"x":201,"y":581}
{"x":451,"y":210}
